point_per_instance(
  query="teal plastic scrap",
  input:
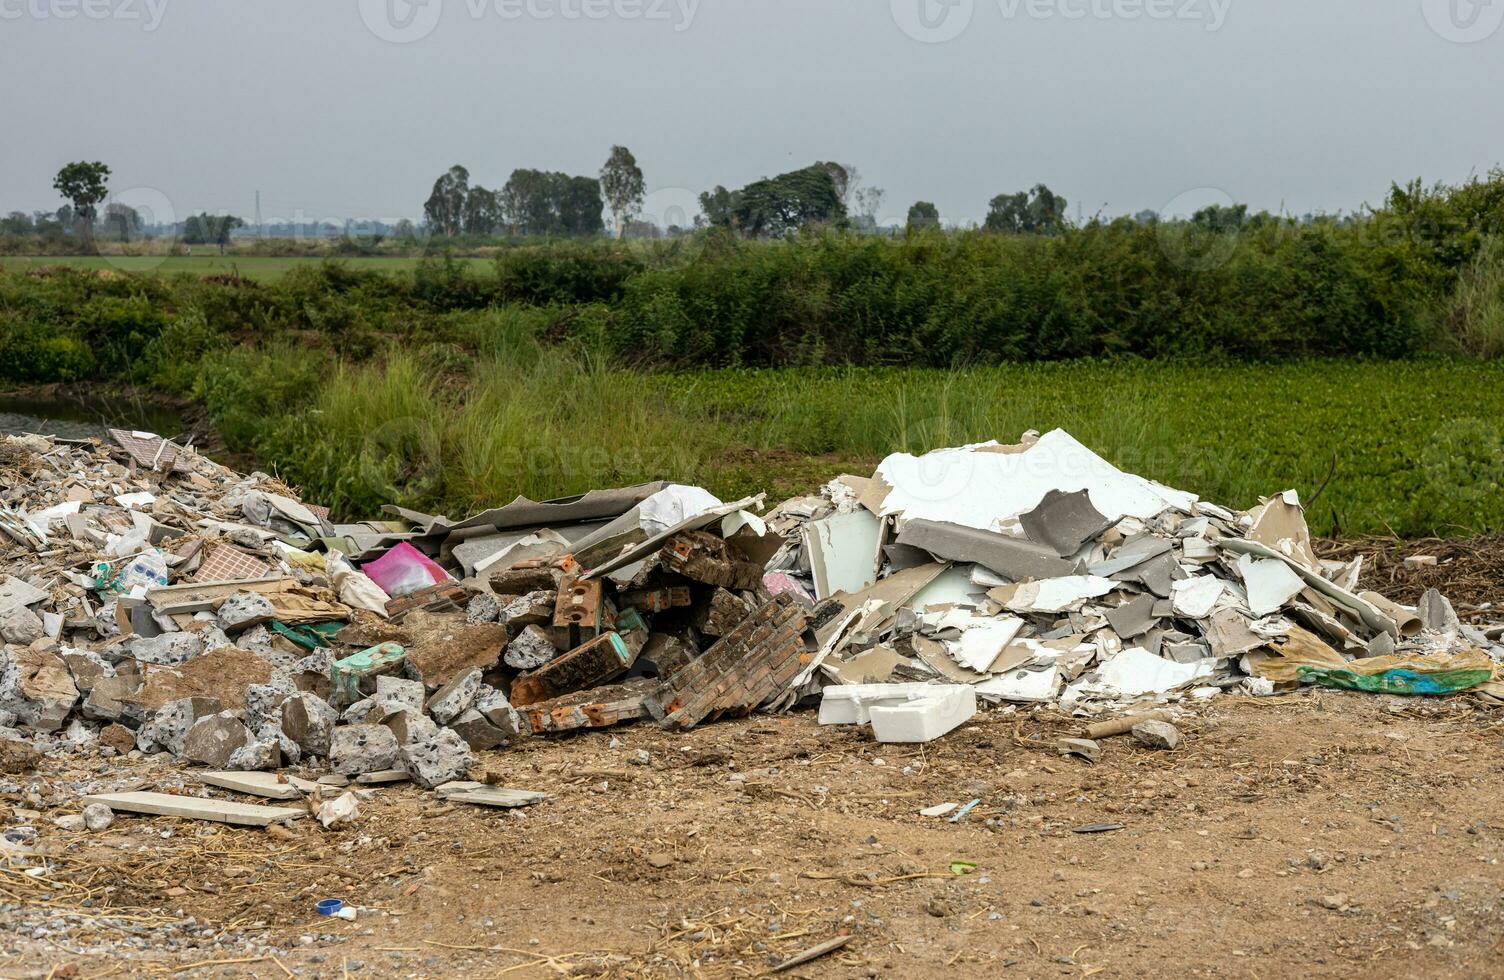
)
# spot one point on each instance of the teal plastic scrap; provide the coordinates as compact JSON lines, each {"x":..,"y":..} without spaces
{"x":345,"y":675}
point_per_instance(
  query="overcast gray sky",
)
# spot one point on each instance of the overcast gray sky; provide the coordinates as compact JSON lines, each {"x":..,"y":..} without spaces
{"x":351,"y":108}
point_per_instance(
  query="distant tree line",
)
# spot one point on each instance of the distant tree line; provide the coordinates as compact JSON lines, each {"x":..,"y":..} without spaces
{"x":532,"y":202}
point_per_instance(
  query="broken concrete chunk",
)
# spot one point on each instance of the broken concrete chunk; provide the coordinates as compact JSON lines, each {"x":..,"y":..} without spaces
{"x":213,"y":740}
{"x":482,"y":608}
{"x":256,"y":756}
{"x":442,"y":758}
{"x":497,"y":710}
{"x":86,"y":667}
{"x":397,"y":690}
{"x":21,"y":626}
{"x":409,"y":726}
{"x":358,"y":749}
{"x":244,"y":610}
{"x":477,"y":731}
{"x":37,"y":687}
{"x":456,"y":697}
{"x":533,"y":609}
{"x":167,"y":650}
{"x":168,"y":728}
{"x":308,"y":721}
{"x":1157,"y":734}
{"x":1085,"y":748}
{"x":530,"y":649}
{"x":109,"y":699}
{"x":263,"y":702}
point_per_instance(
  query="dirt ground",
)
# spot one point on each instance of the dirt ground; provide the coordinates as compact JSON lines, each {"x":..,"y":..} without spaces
{"x":1319,"y":834}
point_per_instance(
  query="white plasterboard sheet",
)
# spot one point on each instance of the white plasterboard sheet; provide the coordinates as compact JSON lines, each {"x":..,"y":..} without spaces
{"x":1270,"y":584}
{"x":977,"y":488}
{"x":842,"y":552}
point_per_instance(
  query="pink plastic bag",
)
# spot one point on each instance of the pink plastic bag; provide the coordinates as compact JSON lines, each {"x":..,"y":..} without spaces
{"x":404,"y":570}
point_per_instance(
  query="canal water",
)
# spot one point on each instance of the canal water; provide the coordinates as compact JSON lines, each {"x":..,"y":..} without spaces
{"x":70,"y":416}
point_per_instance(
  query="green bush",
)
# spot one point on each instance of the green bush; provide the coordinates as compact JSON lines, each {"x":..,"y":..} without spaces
{"x":31,"y":353}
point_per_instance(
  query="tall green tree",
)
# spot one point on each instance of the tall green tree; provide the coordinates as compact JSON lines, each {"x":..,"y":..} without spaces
{"x":719,"y":207}
{"x":790,"y":201}
{"x":1036,"y":212}
{"x":622,"y":185}
{"x":444,"y":211}
{"x":923,"y":215}
{"x":84,"y":185}
{"x":482,"y":212}
{"x":210,"y":229}
{"x":537,"y":202}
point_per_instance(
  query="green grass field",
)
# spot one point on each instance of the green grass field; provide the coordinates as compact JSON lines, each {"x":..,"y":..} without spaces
{"x":209,"y":263}
{"x":1414,"y":447}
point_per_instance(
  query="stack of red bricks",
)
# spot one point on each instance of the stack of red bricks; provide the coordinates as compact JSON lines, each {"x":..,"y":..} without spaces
{"x":745,"y":669}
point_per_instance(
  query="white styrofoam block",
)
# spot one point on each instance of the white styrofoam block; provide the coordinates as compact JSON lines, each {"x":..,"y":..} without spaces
{"x":850,"y":704}
{"x":925,"y":719}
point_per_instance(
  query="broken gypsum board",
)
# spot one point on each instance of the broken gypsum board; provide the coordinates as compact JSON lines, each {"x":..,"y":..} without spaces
{"x":1370,"y":615}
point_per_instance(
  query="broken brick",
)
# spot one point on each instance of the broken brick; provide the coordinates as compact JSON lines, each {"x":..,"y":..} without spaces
{"x":745,"y":669}
{"x":596,"y":662}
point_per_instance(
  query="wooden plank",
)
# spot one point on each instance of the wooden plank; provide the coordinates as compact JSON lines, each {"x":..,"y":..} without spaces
{"x":263,"y":784}
{"x":195,"y":597}
{"x":192,"y":808}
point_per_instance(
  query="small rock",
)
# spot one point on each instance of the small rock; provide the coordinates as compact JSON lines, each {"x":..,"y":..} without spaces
{"x":98,"y":817}
{"x":1334,"y":902}
{"x":660,"y":860}
{"x":71,"y":822}
{"x":213,"y":740}
{"x":118,"y":737}
{"x":1157,"y":734}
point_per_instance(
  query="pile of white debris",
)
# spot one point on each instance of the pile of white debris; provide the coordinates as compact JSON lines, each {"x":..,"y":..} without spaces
{"x":1038,"y":572}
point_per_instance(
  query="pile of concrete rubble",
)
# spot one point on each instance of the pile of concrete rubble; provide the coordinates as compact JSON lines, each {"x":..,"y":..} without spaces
{"x":153,"y":600}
